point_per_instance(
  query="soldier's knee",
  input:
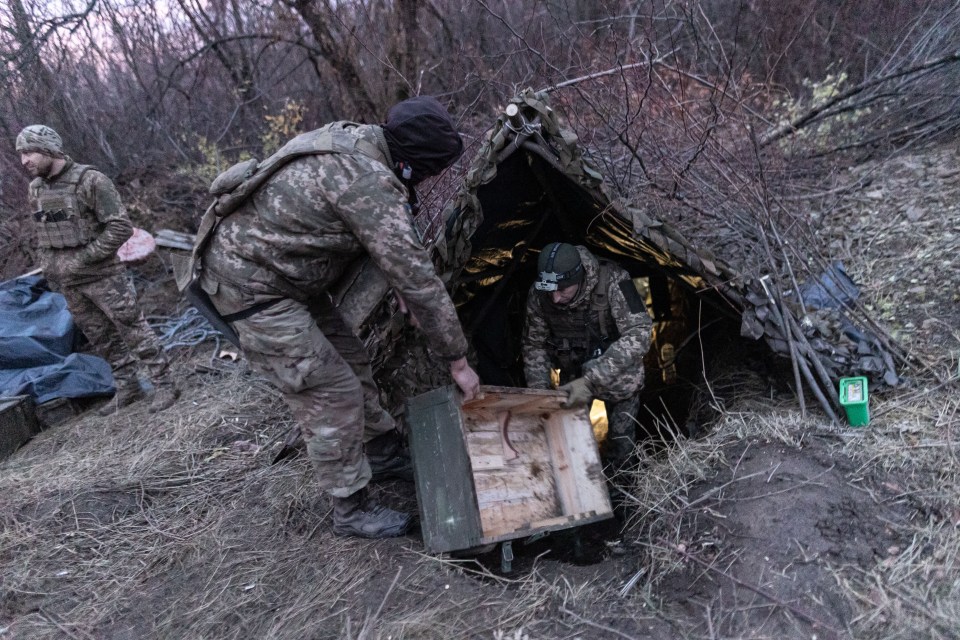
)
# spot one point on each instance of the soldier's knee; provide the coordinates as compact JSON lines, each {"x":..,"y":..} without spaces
{"x":324,"y":448}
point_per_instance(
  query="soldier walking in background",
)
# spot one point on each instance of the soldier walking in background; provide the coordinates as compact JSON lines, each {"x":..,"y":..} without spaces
{"x":268,"y":264}
{"x":586,"y":318}
{"x":80,"y":223}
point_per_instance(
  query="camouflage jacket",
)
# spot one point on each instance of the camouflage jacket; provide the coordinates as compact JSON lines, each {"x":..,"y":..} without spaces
{"x":614,"y":374}
{"x":80,"y":223}
{"x":299,"y":232}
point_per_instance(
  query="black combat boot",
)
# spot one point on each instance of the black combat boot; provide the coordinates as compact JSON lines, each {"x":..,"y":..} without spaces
{"x":126,"y":394}
{"x":357,"y":516}
{"x":388,"y":459}
{"x":164,"y":397}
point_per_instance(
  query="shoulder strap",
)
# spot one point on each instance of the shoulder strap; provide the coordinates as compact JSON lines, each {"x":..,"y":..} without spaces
{"x":335,"y":137}
{"x":332,"y":138}
{"x":77,"y":172}
{"x":600,"y":300}
{"x":34,"y":187}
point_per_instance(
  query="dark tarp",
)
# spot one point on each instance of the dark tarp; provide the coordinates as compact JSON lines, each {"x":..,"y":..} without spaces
{"x":36,"y":347}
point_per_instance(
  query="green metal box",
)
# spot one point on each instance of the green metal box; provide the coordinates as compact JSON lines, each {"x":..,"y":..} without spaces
{"x":18,"y":423}
{"x":509,"y":464}
{"x":854,"y":399}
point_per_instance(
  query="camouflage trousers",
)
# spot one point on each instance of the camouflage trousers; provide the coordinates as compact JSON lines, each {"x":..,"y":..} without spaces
{"x":621,"y":431}
{"x":325,"y":376}
{"x":108,"y":314}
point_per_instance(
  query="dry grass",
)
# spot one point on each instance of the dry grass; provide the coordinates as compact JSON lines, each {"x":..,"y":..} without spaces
{"x":179,"y":526}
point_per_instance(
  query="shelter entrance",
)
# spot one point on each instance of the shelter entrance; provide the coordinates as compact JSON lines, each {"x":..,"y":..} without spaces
{"x":530,"y":203}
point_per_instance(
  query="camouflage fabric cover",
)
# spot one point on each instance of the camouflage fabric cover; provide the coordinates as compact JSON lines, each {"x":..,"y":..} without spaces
{"x":528,"y":125}
{"x":618,"y":372}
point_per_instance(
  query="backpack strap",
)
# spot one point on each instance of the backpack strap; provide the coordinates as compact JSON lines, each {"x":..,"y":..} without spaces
{"x":240,"y":182}
{"x":600,"y":300}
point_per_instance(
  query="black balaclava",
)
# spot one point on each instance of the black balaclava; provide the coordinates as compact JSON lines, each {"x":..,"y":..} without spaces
{"x":422,"y":137}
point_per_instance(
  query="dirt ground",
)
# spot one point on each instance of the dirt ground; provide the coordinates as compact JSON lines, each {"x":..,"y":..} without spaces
{"x":772,"y":524}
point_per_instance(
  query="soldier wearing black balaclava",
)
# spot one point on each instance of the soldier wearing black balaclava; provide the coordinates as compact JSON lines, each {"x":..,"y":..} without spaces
{"x":327,"y":198}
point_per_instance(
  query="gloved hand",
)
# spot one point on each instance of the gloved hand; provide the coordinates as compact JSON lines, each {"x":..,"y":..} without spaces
{"x":578,"y":393}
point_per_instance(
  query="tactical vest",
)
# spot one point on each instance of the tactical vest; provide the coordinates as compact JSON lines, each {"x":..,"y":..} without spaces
{"x":62,"y":222}
{"x":583,"y":334}
{"x":240,"y":182}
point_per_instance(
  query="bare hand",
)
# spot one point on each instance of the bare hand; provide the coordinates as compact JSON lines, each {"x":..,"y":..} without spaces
{"x":466,"y":378}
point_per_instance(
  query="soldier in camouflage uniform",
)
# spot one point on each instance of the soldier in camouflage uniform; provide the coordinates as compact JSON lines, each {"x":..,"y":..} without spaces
{"x":80,"y":223}
{"x":586,"y":318}
{"x":269,"y":265}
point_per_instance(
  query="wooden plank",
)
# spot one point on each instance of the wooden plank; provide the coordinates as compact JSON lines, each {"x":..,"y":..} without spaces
{"x":567,"y":494}
{"x":495,"y":399}
{"x":583,"y":485}
{"x":523,"y":489}
{"x":542,"y":526}
{"x":511,"y":500}
{"x":485,"y":463}
{"x":449,"y":514}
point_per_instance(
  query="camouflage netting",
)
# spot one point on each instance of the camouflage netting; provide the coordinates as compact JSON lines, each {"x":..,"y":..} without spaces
{"x":529,"y":184}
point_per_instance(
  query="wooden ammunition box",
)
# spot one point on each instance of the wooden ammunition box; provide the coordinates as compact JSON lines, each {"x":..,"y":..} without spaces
{"x":18,"y":423}
{"x":507,"y":465}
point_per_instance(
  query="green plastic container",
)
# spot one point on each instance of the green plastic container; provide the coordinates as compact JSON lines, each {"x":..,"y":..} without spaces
{"x":853,"y":399}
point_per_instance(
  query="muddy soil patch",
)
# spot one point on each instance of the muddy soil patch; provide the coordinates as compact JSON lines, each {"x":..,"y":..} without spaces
{"x":763,"y":539}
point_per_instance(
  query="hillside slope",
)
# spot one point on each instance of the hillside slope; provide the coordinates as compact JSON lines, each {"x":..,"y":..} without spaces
{"x":774,"y":524}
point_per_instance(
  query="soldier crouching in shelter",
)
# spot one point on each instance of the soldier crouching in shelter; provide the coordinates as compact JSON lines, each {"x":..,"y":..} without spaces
{"x":586,"y":318}
{"x":80,"y":223}
{"x":325,"y":199}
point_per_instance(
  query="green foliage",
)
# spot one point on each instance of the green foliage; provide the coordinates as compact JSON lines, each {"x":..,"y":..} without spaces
{"x":827,"y":131}
{"x":280,"y":127}
{"x":212,"y":161}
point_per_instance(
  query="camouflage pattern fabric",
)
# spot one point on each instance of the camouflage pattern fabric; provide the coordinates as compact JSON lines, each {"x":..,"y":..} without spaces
{"x":322,"y":369}
{"x":100,"y":209}
{"x":291,"y":242}
{"x":40,"y":138}
{"x":106,"y":311}
{"x":618,"y":372}
{"x":533,"y":121}
{"x":93,"y":280}
{"x":621,"y":430}
{"x":298,"y":234}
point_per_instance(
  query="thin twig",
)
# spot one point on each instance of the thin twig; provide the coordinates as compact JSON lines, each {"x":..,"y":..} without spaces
{"x":800,"y":613}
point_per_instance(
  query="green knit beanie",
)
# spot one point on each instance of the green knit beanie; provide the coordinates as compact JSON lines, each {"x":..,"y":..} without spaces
{"x":559,"y":267}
